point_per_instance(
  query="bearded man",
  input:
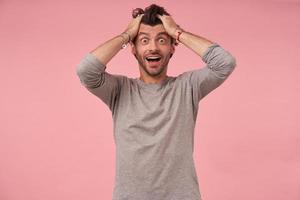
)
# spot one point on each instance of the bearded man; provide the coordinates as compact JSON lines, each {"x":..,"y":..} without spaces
{"x":154,"y":115}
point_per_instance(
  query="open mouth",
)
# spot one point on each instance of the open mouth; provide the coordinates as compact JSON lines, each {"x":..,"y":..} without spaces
{"x":153,"y":58}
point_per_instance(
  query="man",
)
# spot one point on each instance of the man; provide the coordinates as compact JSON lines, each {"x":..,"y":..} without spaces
{"x":154,"y":115}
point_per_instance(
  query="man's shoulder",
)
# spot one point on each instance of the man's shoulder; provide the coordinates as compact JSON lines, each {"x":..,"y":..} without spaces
{"x":188,"y":74}
{"x":119,"y":77}
{"x":124,"y":80}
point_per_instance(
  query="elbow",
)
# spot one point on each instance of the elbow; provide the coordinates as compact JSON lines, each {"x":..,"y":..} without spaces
{"x":232,"y":62}
{"x":88,"y":77}
{"x":229,"y":65}
{"x":81,"y":74}
{"x":81,"y":70}
{"x":226,"y":67}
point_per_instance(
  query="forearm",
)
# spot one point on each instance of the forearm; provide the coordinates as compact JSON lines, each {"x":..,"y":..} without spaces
{"x":196,"y":43}
{"x":106,"y":51}
{"x":92,"y":75}
{"x":220,"y":61}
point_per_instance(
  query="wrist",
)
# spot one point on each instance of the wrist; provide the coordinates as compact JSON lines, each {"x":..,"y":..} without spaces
{"x":126,"y":36}
{"x":126,"y":39}
{"x":178,"y":31}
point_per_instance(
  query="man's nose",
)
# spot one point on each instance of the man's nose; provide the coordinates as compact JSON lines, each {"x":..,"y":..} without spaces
{"x":152,"y":45}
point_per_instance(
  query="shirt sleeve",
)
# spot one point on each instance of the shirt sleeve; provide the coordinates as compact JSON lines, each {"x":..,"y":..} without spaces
{"x":95,"y":79}
{"x":219,"y":65}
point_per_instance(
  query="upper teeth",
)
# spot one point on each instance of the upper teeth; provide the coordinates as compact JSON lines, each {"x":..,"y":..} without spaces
{"x":153,"y":57}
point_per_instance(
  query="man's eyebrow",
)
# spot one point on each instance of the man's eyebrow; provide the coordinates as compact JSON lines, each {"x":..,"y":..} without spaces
{"x":160,"y":33}
{"x":163,"y":33}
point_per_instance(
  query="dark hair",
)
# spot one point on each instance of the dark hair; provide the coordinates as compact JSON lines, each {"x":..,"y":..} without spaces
{"x":149,"y":17}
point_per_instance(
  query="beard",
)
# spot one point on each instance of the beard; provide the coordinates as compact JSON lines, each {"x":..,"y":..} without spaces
{"x":153,"y":71}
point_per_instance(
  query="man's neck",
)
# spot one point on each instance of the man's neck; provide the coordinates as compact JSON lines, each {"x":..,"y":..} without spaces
{"x":151,"y":80}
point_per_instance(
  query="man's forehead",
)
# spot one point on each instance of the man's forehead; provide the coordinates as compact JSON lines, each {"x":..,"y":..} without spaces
{"x":152,"y":30}
{"x":148,"y":34}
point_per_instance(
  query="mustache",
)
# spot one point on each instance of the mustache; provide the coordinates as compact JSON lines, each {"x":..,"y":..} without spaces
{"x":152,"y":53}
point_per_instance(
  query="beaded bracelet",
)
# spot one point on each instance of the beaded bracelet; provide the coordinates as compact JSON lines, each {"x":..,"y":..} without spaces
{"x":124,"y":45}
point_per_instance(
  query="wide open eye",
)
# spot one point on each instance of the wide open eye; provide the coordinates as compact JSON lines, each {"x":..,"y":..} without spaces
{"x":162,"y":40}
{"x":144,"y":40}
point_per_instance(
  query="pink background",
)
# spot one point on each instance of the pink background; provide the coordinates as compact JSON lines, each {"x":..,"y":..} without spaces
{"x":56,"y":139}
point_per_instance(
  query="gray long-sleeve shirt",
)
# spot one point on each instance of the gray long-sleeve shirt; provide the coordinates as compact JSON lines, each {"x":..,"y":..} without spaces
{"x":154,"y":125}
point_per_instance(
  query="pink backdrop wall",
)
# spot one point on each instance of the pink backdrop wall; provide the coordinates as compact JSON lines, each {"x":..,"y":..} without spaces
{"x":56,"y":139}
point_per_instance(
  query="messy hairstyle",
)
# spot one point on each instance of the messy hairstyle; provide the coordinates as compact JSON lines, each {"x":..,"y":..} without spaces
{"x":150,"y":18}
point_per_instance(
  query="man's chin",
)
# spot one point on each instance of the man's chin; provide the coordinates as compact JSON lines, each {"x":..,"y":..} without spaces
{"x":153,"y":64}
{"x":154,"y":70}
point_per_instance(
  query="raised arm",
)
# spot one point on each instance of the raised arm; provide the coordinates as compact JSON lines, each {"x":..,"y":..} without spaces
{"x":105,"y":52}
{"x":91,"y":69}
{"x":196,"y":43}
{"x":220,"y":63}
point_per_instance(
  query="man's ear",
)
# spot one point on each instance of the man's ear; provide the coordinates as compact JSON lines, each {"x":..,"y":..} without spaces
{"x":133,"y":50}
{"x":172,"y":50}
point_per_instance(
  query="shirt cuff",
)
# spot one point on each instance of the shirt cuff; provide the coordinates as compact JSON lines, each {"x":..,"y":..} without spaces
{"x":208,"y":50}
{"x":94,"y":61}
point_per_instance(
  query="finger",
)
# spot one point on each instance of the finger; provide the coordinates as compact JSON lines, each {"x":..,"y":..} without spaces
{"x":136,"y":12}
{"x":139,"y":17}
{"x":158,"y":15}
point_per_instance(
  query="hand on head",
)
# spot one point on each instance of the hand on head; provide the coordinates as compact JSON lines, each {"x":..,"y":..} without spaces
{"x":133,"y":27}
{"x":137,"y":11}
{"x":169,"y":24}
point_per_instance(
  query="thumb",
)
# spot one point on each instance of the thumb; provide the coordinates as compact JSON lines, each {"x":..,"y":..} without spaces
{"x":140,"y":16}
